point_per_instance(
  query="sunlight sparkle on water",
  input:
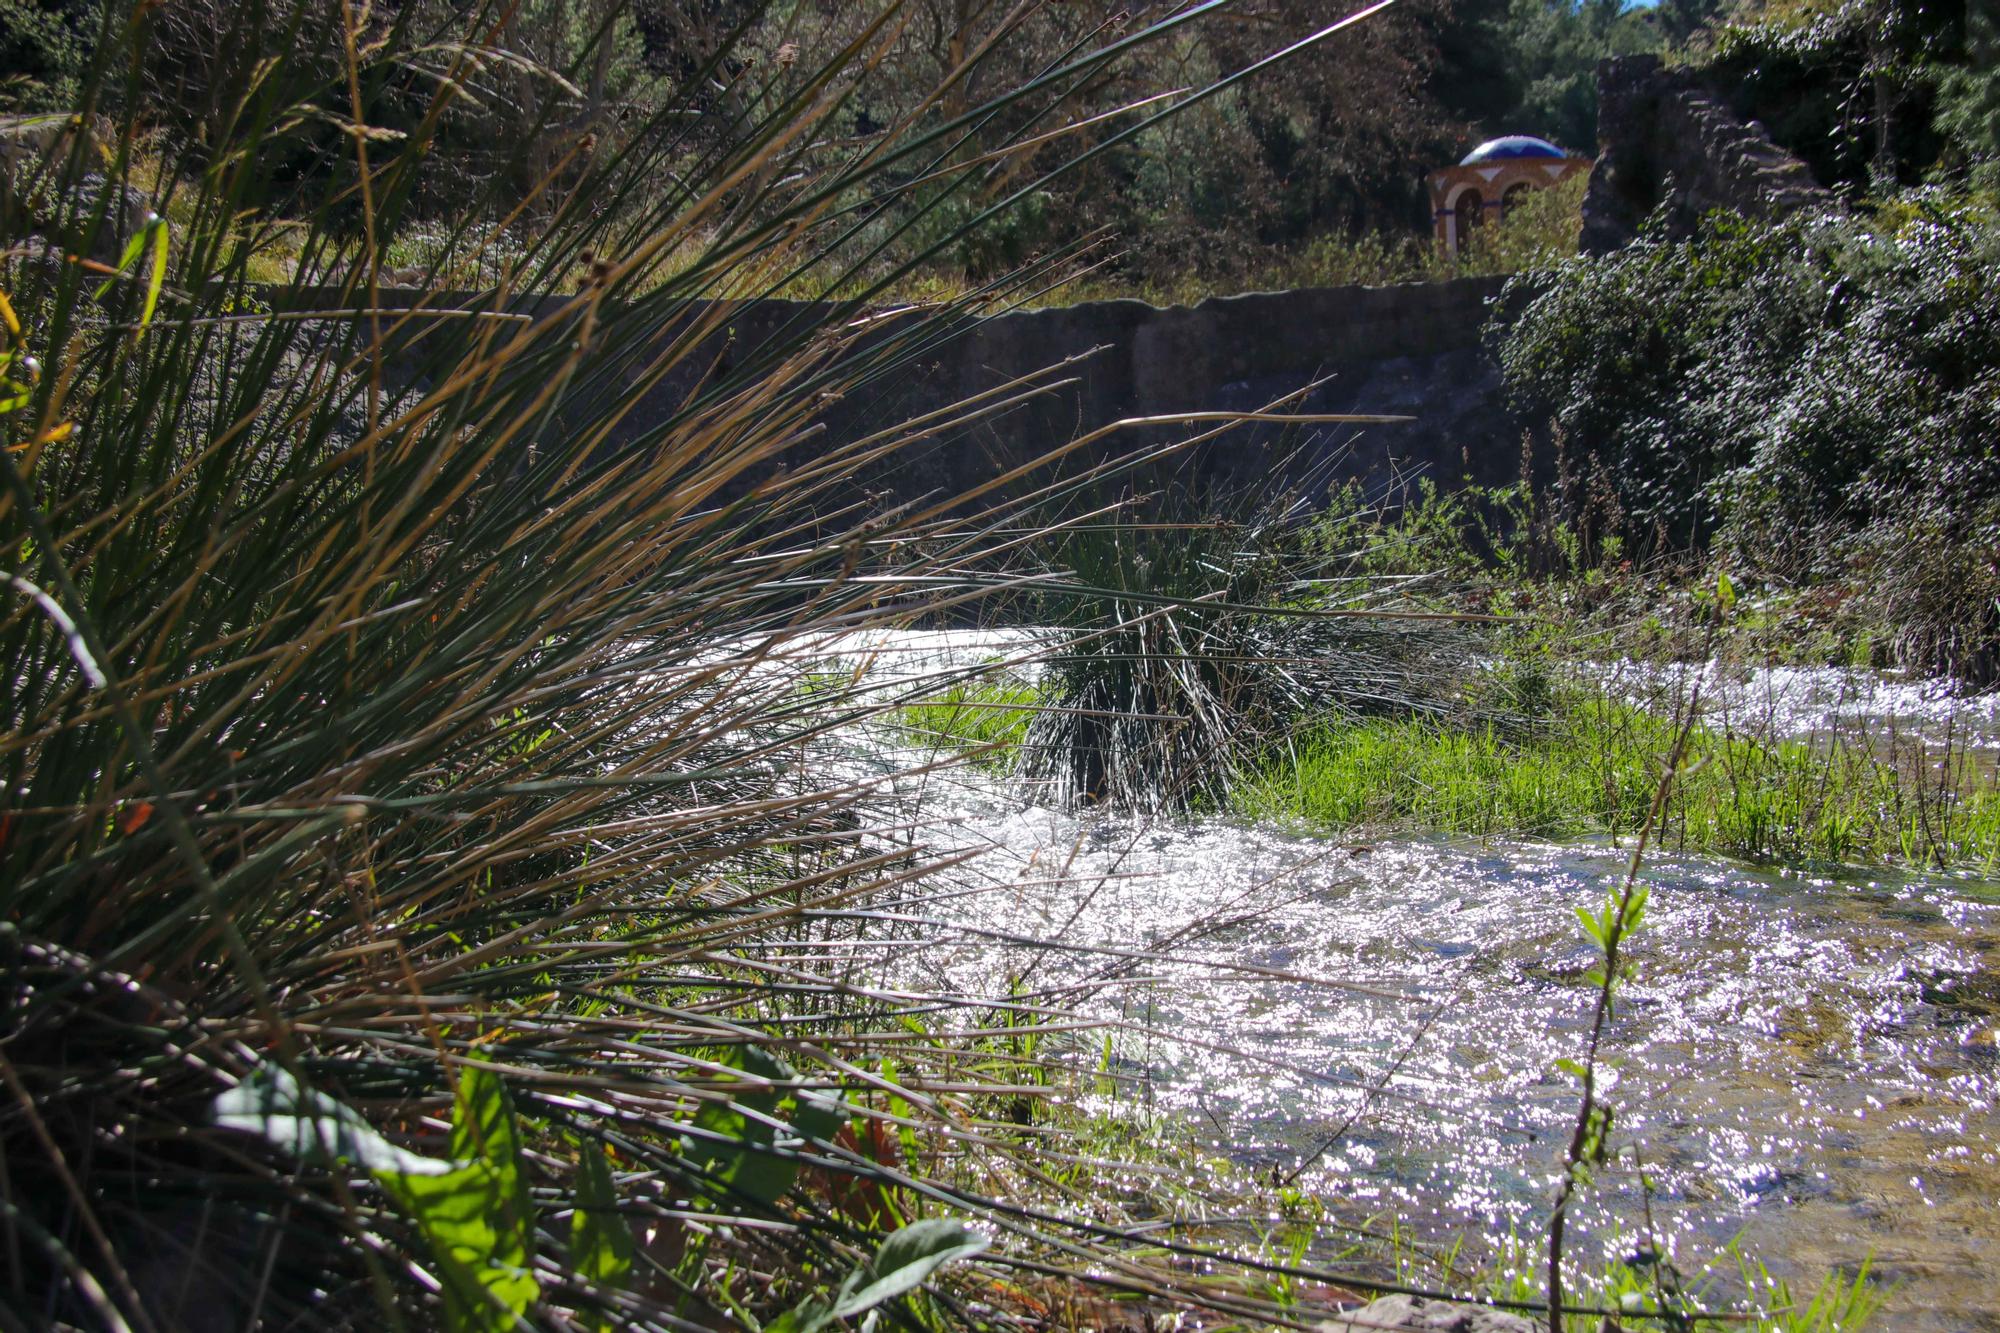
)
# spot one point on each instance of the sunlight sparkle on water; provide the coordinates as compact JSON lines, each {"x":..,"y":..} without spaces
{"x":1806,"y":1059}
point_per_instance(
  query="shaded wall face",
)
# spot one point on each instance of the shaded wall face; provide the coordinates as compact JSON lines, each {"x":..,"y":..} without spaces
{"x":1408,"y":350}
{"x":1412,"y":350}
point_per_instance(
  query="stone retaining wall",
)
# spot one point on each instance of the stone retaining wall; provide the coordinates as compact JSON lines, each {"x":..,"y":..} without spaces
{"x":1405,"y":350}
{"x":1669,"y":143}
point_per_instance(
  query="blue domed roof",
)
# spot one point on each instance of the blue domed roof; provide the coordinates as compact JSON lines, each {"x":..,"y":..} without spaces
{"x":1512,"y":145}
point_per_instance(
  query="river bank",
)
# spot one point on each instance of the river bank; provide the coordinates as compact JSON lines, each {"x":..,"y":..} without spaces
{"x":1374,"y":1013}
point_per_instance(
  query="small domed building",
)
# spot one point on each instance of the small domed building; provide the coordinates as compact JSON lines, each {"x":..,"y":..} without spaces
{"x":1491,"y":179}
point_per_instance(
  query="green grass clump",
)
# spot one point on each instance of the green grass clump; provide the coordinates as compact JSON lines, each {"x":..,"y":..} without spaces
{"x":1592,"y":769}
{"x":1658,"y":1294}
{"x":426,"y":899}
{"x":988,"y":717}
{"x":1417,"y":773}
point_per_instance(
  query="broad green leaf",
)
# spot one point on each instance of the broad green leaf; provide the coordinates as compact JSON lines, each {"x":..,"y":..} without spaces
{"x":474,"y":1212}
{"x":819,"y":1115}
{"x":600,"y":1242}
{"x":484,"y":1129}
{"x":743,"y":1161}
{"x":907,"y":1258}
{"x":479,"y":1218}
{"x":750,"y":1154}
{"x":480,"y":1251}
{"x":1725,"y":591}
{"x":313,"y":1127}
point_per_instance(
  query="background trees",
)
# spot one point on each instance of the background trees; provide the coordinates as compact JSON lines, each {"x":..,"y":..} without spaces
{"x":1326,"y":148}
{"x":1332,"y":144}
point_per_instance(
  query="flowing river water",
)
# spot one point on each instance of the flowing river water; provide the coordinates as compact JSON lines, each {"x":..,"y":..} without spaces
{"x":1805,"y":1061}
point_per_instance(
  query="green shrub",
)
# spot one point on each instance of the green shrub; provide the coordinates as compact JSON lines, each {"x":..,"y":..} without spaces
{"x":1816,"y":397}
{"x":420,"y":854}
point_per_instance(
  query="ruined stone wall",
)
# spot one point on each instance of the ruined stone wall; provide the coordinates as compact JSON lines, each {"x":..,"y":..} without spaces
{"x":1410,"y":350}
{"x":1668,"y":143}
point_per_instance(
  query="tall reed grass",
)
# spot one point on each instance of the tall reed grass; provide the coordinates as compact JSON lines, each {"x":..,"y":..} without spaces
{"x":1197,"y":629}
{"x":426,"y":883}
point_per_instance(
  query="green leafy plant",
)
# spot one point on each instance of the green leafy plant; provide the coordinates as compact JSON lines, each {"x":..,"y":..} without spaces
{"x":747,"y":1143}
{"x":1707,"y":388}
{"x":473,"y":1208}
{"x":906,"y":1259}
{"x":404,"y":726}
{"x":1609,"y":928}
{"x":601,"y":1248}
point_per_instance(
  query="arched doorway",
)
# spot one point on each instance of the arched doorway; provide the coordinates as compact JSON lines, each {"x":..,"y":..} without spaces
{"x":1493,"y":180}
{"x":1470,"y":210}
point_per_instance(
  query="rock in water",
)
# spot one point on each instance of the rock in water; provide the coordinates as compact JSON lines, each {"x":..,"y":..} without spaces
{"x":1417,"y":1312}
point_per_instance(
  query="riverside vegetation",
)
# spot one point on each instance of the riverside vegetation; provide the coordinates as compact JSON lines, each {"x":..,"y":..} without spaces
{"x":437,"y":881}
{"x":1537,"y":751}
{"x":1490,"y":715}
{"x":430,"y":880}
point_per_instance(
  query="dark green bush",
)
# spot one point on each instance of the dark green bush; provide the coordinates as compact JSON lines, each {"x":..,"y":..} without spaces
{"x":1628,"y":357}
{"x":1850,"y":86}
{"x":1969,"y":99}
{"x":1815,"y":397}
{"x":44,"y":45}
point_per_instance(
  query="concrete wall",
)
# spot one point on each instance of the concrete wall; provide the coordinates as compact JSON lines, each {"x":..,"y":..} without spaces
{"x":1412,"y":350}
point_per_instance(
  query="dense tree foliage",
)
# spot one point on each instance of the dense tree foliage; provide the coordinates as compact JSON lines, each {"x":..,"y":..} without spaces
{"x":1818,"y":398}
{"x":1851,"y":86}
{"x":1333,"y":143}
{"x":1969,"y":98}
{"x":1530,"y":66}
{"x":44,"y":45}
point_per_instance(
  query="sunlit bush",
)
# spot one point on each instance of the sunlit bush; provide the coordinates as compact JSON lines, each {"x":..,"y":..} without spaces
{"x":1815,"y":396}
